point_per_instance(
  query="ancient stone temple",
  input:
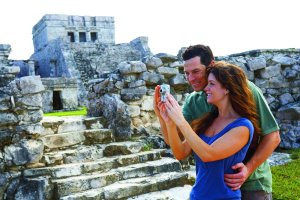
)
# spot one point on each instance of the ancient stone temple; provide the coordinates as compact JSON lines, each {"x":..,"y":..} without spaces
{"x":78,"y":29}
{"x":71,"y":50}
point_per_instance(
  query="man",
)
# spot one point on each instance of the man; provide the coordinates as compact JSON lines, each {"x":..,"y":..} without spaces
{"x":255,"y":175}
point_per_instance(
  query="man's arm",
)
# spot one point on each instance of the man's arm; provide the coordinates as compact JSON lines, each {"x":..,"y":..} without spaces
{"x":265,"y":148}
{"x":269,"y":141}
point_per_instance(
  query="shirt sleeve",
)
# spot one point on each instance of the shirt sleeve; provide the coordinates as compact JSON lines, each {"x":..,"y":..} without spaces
{"x":186,"y":112}
{"x":267,"y":120}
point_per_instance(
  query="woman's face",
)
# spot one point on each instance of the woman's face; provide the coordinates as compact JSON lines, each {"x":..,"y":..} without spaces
{"x":214,"y":90}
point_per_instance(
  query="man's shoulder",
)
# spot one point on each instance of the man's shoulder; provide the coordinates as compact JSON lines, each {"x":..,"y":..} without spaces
{"x":253,"y":87}
{"x":195,"y":96}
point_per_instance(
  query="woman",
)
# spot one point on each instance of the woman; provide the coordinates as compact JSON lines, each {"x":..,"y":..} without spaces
{"x":221,"y":138}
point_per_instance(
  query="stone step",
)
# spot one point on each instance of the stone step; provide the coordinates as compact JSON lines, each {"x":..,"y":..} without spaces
{"x":101,"y":165}
{"x":54,"y":125}
{"x":83,"y":153}
{"x":123,"y":148}
{"x":175,"y":193}
{"x":76,"y":154}
{"x":62,"y":140}
{"x":72,"y":185}
{"x":98,"y":136}
{"x":64,"y":124}
{"x":95,"y":122}
{"x":68,"y":139}
{"x":132,"y":187}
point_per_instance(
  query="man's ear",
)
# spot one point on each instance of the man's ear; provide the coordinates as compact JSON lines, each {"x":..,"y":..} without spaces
{"x":211,"y":63}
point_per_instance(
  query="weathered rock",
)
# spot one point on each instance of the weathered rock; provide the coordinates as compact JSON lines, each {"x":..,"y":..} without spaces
{"x":23,"y":152}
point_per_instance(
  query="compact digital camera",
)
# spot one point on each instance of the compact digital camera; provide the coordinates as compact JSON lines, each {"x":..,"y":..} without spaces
{"x":164,"y":90}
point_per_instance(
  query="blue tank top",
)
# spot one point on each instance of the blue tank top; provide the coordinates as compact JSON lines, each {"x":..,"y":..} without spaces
{"x":210,"y":183}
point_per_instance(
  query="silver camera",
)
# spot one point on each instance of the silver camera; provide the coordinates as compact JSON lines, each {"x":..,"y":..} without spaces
{"x":164,"y":90}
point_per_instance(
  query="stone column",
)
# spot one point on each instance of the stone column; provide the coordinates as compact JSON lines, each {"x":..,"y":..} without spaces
{"x":88,"y":36}
{"x":76,"y":36}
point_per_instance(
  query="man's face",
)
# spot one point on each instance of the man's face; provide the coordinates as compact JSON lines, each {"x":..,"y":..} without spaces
{"x":195,"y":73}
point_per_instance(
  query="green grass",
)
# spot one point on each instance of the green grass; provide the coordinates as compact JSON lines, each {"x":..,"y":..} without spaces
{"x":82,"y":111}
{"x":147,"y":147}
{"x":286,"y":178}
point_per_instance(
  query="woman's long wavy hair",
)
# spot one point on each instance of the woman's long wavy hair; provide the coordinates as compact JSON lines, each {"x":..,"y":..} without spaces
{"x":234,"y":80}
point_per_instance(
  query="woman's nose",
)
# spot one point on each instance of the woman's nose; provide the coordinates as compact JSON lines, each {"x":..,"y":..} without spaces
{"x":206,"y":88}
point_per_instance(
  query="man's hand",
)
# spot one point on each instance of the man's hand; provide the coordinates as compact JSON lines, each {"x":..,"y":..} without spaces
{"x":235,"y":181}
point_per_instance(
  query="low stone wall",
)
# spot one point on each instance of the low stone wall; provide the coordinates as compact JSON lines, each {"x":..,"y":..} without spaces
{"x":21,"y":112}
{"x":276,"y":72}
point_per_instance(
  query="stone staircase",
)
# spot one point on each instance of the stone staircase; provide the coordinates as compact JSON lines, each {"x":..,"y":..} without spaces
{"x":82,"y":160}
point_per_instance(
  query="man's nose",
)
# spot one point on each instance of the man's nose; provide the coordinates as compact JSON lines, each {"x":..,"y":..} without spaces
{"x":190,"y":77}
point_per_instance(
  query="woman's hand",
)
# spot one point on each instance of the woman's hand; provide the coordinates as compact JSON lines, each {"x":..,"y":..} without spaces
{"x":164,"y":114}
{"x":174,"y":110}
{"x":156,"y":101}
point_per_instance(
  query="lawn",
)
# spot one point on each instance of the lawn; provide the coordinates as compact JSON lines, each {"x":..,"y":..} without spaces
{"x":82,"y":111}
{"x":286,"y":179}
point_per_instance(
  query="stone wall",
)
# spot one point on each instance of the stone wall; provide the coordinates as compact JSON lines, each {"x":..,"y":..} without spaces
{"x":21,"y":111}
{"x":20,"y":114}
{"x":276,"y":72}
{"x":124,"y":97}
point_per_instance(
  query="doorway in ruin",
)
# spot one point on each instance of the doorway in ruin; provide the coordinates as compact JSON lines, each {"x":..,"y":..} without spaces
{"x":57,"y":101}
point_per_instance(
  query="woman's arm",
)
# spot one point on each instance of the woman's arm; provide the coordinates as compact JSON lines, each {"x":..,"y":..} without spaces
{"x":227,"y":145}
{"x":180,"y":149}
{"x":223,"y":147}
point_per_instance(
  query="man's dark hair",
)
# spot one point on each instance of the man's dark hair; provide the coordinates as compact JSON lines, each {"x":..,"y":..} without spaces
{"x":204,"y":52}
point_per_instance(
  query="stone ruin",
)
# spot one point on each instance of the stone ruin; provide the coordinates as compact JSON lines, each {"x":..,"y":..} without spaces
{"x":116,"y":82}
{"x":75,"y":49}
{"x":130,"y":89}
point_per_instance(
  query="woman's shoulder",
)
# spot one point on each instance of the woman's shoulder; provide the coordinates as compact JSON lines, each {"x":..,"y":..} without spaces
{"x":242,"y":121}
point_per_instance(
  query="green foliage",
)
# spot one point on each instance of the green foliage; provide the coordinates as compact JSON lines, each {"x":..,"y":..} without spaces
{"x":286,"y":179}
{"x":82,"y":111}
{"x":147,"y":147}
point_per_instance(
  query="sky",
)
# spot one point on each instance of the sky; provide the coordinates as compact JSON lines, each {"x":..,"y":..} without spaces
{"x":227,"y":26}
